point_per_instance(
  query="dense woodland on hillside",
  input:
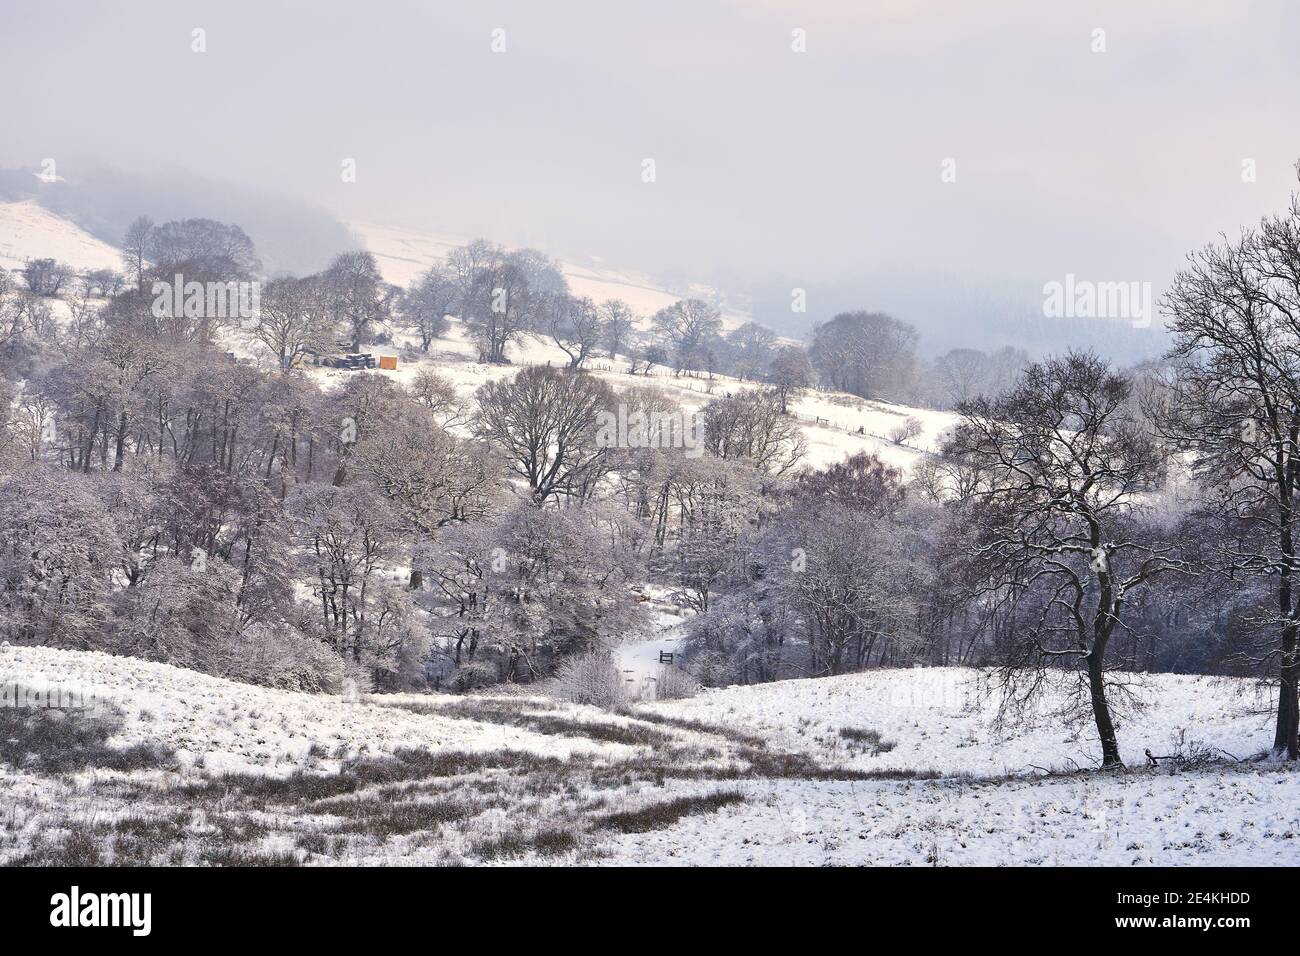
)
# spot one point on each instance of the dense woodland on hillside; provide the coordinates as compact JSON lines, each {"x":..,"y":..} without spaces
{"x":165,"y":496}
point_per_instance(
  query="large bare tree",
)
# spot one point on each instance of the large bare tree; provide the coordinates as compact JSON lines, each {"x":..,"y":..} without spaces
{"x":1234,"y":403}
{"x":544,"y":422}
{"x":293,"y":321}
{"x":501,"y":306}
{"x":690,"y":326}
{"x":138,"y":250}
{"x":1066,"y":462}
{"x":358,"y":296}
{"x":618,"y":324}
{"x":869,"y":354}
{"x":751,"y":425}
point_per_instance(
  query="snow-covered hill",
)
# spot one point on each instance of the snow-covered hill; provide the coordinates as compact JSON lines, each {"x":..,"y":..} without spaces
{"x":403,"y":254}
{"x":834,"y":424}
{"x":234,"y":727}
{"x":944,"y":717}
{"x":887,"y":767}
{"x":29,"y":231}
{"x":932,"y":720}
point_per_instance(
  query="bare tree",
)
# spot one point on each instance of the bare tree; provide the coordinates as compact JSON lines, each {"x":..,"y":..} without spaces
{"x":426,"y":305}
{"x":138,"y":250}
{"x":45,"y":277}
{"x":204,"y":248}
{"x":752,"y":426}
{"x":868,"y":354}
{"x":544,"y":275}
{"x":789,"y":374}
{"x":644,"y":362}
{"x":25,"y":311}
{"x":102,"y":282}
{"x":750,"y":347}
{"x":908,"y":428}
{"x":618,"y":325}
{"x":690,"y":326}
{"x":466,"y":263}
{"x":501,"y":307}
{"x":294,"y":320}
{"x":962,"y":374}
{"x":358,"y":296}
{"x":574,"y":325}
{"x":344,"y":536}
{"x":431,"y":477}
{"x":544,"y":422}
{"x":852,"y":599}
{"x":716,"y":501}
{"x":1235,"y":405}
{"x":437,"y":393}
{"x":1067,"y":464}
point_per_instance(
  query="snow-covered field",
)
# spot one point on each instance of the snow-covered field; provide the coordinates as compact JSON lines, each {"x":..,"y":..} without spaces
{"x":943,"y":718}
{"x":742,"y":775}
{"x":228,"y":727}
{"x":1190,"y":819}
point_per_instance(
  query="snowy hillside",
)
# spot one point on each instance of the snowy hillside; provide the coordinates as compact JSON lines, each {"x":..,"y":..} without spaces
{"x":403,"y":254}
{"x":830,"y":421}
{"x":887,"y":767}
{"x":834,"y":424}
{"x":943,"y":717}
{"x":29,"y":231}
{"x":234,"y":727}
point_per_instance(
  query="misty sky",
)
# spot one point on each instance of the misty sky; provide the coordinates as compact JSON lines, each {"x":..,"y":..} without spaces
{"x":822,"y":164}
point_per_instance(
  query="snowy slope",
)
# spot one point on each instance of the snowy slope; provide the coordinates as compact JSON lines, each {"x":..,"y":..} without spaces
{"x":943,"y":718}
{"x":963,"y":811}
{"x":30,"y":231}
{"x":830,"y":420}
{"x":935,"y":719}
{"x":403,"y":254}
{"x":236,"y":727}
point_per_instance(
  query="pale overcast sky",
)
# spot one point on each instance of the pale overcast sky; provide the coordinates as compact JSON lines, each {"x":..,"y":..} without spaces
{"x":825,"y":163}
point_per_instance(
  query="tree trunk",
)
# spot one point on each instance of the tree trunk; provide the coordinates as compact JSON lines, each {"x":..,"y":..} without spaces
{"x":90,"y":440}
{"x":1287,"y":736}
{"x":1288,"y":707}
{"x":1101,"y":712}
{"x":120,"y":450}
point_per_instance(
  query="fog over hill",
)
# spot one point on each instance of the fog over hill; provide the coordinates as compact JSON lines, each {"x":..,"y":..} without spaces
{"x":291,"y":235}
{"x":930,"y":159}
{"x":297,"y":237}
